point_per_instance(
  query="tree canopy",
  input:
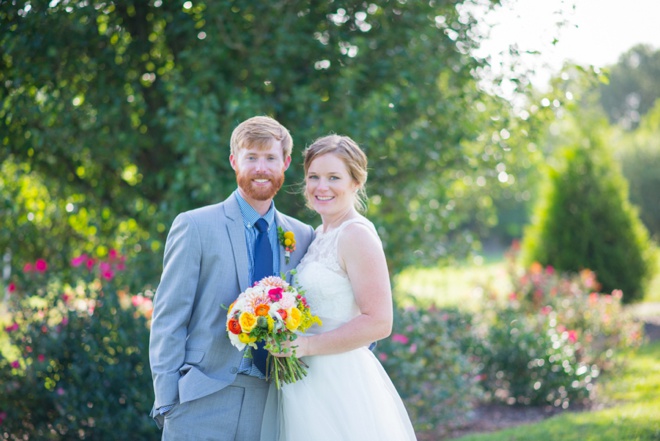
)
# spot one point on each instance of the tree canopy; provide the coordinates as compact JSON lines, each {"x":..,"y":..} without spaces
{"x":123,"y":111}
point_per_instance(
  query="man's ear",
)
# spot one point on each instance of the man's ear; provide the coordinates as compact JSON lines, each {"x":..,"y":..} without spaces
{"x":232,"y":161}
{"x":287,"y":162}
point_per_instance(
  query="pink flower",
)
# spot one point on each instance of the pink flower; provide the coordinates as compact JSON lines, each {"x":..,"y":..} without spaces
{"x":512,"y":296}
{"x":549,"y":270}
{"x":3,"y":417}
{"x":27,"y":268}
{"x":112,"y":254}
{"x":413,"y":348}
{"x":572,"y":336}
{"x":382,"y":356}
{"x":546,"y":310}
{"x":60,"y":391}
{"x":40,"y":266}
{"x":275,"y":294}
{"x":90,"y":264}
{"x":15,"y":364}
{"x":11,"y":328}
{"x":400,"y":338}
{"x":65,"y":321}
{"x":77,"y":261}
{"x":11,"y":287}
{"x":41,"y":358}
{"x":108,"y":274}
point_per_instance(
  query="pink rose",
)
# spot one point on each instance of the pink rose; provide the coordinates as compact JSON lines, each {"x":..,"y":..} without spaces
{"x":40,"y":266}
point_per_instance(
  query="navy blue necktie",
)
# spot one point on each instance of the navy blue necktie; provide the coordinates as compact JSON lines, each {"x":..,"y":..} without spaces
{"x":263,"y":253}
{"x":263,"y":267}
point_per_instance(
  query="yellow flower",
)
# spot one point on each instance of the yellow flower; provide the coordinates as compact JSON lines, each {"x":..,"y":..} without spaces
{"x":288,"y":241}
{"x":293,"y":319}
{"x":245,"y":338}
{"x":271,"y":323}
{"x":248,"y":321}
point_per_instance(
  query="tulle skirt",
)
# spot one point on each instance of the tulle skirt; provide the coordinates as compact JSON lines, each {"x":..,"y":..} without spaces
{"x":344,"y":397}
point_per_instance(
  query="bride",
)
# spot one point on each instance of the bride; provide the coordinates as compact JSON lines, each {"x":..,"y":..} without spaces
{"x":346,"y":394}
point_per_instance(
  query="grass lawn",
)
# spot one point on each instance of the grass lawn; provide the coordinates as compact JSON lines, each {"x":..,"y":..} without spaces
{"x":453,"y":286}
{"x":631,"y":408}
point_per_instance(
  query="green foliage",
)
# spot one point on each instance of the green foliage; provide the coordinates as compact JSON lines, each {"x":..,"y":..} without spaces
{"x":638,"y":152}
{"x":631,"y":410}
{"x":633,"y":87}
{"x":428,"y":359}
{"x":124,"y":112}
{"x":74,"y":364}
{"x":584,"y":221}
{"x":552,"y":338}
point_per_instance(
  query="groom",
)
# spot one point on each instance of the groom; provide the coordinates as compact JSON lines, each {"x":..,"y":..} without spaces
{"x":204,"y":387}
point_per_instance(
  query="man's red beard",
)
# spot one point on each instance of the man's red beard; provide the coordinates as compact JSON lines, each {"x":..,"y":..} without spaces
{"x":260,"y":194}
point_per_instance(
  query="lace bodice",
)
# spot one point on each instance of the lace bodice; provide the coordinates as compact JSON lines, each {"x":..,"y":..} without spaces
{"x":328,"y":289}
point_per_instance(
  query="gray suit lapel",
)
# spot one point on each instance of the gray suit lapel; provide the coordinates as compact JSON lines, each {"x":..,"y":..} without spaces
{"x":236,"y":233}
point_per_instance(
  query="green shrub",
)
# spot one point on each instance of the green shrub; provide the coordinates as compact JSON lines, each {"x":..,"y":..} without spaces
{"x":552,"y":337}
{"x":429,"y":360}
{"x":74,"y":364}
{"x":584,"y":220}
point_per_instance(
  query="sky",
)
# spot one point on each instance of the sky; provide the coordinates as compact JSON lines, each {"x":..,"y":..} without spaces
{"x":596,"y":32}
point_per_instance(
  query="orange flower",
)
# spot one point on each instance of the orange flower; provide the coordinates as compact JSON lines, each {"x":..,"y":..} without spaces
{"x":262,"y":310}
{"x":234,"y":327}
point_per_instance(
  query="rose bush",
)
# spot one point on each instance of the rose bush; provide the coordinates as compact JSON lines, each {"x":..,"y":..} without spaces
{"x":74,"y":361}
{"x":552,"y":336}
{"x":430,"y":361}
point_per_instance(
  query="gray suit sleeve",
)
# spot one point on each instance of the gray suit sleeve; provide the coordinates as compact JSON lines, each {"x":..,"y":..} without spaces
{"x":173,"y":304}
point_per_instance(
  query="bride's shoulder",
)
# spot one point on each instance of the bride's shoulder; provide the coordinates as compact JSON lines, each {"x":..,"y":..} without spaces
{"x":359,"y":231}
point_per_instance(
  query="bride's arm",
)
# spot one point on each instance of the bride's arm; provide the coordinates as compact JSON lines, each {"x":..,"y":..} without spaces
{"x":361,"y":253}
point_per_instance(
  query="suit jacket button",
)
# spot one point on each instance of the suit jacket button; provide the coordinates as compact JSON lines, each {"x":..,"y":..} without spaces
{"x":234,"y":370}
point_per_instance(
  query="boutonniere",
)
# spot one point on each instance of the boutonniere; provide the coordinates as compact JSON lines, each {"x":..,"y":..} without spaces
{"x":288,"y":241}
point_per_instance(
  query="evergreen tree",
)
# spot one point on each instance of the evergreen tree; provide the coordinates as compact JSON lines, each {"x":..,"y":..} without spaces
{"x":584,"y":220}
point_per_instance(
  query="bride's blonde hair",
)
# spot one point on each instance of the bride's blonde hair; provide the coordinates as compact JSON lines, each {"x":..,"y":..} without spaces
{"x":350,"y":153}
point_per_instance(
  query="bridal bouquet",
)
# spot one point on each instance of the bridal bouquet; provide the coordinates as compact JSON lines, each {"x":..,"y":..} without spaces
{"x":272,"y":311}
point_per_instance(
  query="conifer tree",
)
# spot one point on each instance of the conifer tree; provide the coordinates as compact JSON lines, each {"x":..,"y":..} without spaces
{"x":584,"y":221}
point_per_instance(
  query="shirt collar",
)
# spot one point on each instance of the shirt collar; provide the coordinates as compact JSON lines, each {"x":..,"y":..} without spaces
{"x":250,"y":215}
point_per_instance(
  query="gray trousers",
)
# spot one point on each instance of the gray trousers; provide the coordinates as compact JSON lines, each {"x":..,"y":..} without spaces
{"x":231,"y":414}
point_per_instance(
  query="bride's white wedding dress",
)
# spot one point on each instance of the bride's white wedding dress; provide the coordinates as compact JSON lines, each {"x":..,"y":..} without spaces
{"x":345,"y":396}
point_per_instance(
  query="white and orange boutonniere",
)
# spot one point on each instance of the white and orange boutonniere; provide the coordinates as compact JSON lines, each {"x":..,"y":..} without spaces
{"x":288,"y":241}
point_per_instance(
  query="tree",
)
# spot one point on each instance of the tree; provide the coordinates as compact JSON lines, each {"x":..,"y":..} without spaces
{"x":584,"y":220}
{"x":633,"y":86}
{"x":123,"y":111}
{"x":638,"y":151}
